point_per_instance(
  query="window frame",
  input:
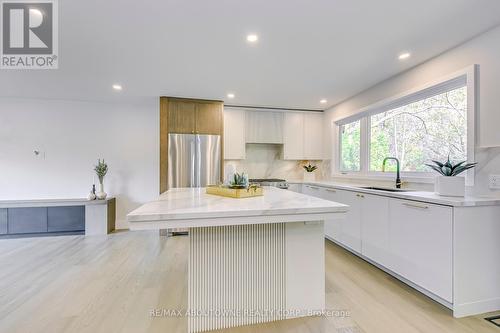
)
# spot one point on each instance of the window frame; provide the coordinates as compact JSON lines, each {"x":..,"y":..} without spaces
{"x":466,"y":77}
{"x":360,"y":146}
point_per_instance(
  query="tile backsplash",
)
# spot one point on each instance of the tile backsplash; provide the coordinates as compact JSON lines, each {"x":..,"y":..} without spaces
{"x":265,"y":161}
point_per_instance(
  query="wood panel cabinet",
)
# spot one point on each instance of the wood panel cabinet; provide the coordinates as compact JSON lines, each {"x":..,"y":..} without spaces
{"x":234,"y":134}
{"x":181,"y":117}
{"x":187,"y":116}
{"x":194,"y":117}
{"x":209,"y":118}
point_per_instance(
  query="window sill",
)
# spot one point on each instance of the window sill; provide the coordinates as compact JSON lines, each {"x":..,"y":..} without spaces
{"x":389,"y":176}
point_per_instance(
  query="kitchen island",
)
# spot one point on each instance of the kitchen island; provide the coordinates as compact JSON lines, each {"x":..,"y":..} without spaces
{"x":251,"y":260}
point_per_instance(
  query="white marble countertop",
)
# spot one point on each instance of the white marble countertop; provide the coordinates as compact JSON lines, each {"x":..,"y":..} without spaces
{"x":51,"y":202}
{"x":422,"y":196}
{"x":189,"y":207}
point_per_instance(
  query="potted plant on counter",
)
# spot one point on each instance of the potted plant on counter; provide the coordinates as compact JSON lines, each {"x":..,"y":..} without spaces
{"x":448,"y":184}
{"x":309,"y":172}
{"x":101,"y":169}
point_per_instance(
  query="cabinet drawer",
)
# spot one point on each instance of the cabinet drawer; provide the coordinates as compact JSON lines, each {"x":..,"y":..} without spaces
{"x":62,"y":219}
{"x":3,"y":221}
{"x":314,"y":191}
{"x":27,"y":220}
{"x":420,"y":241}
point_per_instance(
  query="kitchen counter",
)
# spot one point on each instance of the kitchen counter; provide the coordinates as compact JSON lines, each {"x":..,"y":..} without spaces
{"x":192,"y":207}
{"x":422,"y":196}
{"x":272,"y":245}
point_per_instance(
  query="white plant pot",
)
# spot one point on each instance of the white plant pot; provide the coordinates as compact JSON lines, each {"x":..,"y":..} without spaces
{"x":309,"y":176}
{"x":450,"y":186}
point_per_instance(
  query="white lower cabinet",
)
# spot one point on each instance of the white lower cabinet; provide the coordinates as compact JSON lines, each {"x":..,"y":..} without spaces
{"x":412,"y":239}
{"x":295,"y":188}
{"x":420,"y":245}
{"x":333,"y":228}
{"x":311,"y":190}
{"x":375,"y":229}
{"x":350,"y":235}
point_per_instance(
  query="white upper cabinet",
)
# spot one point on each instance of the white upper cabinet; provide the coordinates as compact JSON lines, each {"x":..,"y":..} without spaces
{"x":234,"y":134}
{"x":264,"y":127}
{"x":303,"y":136}
{"x":313,"y":136}
{"x":293,"y":136}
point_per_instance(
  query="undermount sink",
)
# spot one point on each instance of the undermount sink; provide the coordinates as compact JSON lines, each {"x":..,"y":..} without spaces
{"x":385,"y":189}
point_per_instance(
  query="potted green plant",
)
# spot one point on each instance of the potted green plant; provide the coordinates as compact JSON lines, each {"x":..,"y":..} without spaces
{"x":239,"y":181}
{"x":309,"y":172}
{"x":447,"y":183}
{"x":101,"y":169}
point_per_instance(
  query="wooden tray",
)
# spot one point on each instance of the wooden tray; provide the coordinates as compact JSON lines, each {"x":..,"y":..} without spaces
{"x":235,"y":192}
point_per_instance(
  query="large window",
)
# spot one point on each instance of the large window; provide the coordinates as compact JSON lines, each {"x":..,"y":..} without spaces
{"x":350,"y":143}
{"x":430,"y":123}
{"x":416,"y":133}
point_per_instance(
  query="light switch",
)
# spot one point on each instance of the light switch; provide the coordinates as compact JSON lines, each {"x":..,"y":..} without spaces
{"x":495,"y":182}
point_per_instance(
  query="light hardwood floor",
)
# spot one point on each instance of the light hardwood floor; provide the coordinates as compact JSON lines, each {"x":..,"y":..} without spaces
{"x":111,"y":284}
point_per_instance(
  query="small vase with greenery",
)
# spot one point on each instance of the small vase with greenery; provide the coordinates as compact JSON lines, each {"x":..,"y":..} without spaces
{"x":101,"y":169}
{"x":309,"y":172}
{"x":239,"y":181}
{"x":447,"y":184}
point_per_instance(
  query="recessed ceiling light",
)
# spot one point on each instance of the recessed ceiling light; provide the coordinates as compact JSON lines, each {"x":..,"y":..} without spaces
{"x":252,"y":38}
{"x":117,"y":87}
{"x":230,"y":95}
{"x":404,"y":56}
{"x":323,"y":101}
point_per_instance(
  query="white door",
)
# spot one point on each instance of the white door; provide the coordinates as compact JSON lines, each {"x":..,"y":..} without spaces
{"x":333,"y":228}
{"x":313,"y":136}
{"x":375,"y":228}
{"x":293,"y":136}
{"x":234,"y":134}
{"x":420,"y":240}
{"x":351,"y":225}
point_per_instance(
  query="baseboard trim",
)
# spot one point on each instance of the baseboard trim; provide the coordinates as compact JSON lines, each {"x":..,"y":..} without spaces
{"x":475,"y":308}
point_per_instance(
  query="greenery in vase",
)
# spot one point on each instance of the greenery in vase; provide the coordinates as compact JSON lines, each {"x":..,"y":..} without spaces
{"x":310,"y":168}
{"x":449,"y":169}
{"x":101,"y":169}
{"x":239,"y":180}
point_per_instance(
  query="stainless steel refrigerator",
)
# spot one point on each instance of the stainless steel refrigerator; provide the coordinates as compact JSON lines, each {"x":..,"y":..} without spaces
{"x":194,"y":160}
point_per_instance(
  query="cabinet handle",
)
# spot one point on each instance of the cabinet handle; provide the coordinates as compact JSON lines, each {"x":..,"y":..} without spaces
{"x":314,"y":187}
{"x":331,"y":190}
{"x":412,"y":205}
{"x":360,"y":195}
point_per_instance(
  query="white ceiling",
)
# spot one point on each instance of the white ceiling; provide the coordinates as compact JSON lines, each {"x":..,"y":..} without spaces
{"x":307,"y":50}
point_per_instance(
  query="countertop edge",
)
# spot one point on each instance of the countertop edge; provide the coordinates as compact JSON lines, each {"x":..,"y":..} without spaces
{"x":420,"y":196}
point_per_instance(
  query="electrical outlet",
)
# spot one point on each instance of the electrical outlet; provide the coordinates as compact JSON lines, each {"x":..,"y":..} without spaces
{"x":495,"y":182}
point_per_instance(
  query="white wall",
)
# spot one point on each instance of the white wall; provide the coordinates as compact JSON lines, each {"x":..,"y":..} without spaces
{"x":71,"y":136}
{"x":483,"y":50}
